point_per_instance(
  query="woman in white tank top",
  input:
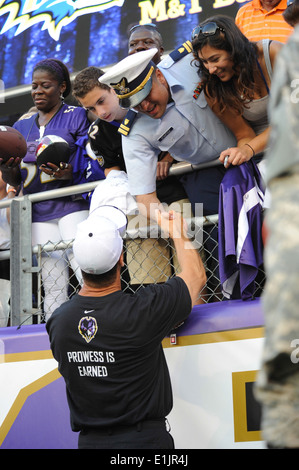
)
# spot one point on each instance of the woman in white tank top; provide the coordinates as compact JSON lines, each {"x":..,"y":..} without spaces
{"x":236,"y":77}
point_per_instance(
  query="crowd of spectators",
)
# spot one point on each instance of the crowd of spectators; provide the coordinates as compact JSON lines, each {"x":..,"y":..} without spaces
{"x":258,"y":33}
{"x":130,"y":126}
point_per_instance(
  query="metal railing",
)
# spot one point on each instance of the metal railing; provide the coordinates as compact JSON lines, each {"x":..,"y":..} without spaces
{"x":147,"y":260}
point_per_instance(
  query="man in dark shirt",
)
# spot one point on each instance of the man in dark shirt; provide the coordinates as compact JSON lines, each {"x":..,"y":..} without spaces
{"x":108,"y":343}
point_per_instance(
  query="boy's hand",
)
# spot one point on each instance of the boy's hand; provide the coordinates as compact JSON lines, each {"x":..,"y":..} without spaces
{"x":172,"y":224}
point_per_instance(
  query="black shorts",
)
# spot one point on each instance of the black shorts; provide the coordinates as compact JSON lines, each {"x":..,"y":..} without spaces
{"x":144,"y":435}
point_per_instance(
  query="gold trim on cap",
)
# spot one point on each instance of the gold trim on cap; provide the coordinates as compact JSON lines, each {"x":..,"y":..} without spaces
{"x":136,"y":90}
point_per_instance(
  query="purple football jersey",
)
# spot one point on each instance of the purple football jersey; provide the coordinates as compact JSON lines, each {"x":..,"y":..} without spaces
{"x":241,"y":200}
{"x":70,"y":123}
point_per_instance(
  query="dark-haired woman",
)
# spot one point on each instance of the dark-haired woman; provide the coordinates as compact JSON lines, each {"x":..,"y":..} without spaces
{"x":55,"y":219}
{"x":235,"y":75}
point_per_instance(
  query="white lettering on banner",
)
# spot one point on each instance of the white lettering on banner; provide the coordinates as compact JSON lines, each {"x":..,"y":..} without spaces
{"x":150,"y":12}
{"x":195,"y":7}
{"x":161,"y":10}
{"x":222,"y":3}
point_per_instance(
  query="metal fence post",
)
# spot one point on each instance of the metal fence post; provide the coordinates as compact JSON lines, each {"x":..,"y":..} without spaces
{"x":21,"y":261}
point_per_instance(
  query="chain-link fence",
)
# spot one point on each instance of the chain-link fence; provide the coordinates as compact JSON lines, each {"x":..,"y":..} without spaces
{"x":31,"y":294}
{"x":147,"y":261}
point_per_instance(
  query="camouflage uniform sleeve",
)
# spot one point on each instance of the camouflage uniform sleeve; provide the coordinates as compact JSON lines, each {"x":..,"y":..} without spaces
{"x":277,"y":387}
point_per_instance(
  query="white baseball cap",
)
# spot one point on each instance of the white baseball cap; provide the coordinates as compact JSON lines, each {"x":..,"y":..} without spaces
{"x":98,"y":243}
{"x":131,"y":78}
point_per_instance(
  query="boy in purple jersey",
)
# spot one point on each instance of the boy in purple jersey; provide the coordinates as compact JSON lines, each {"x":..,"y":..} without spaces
{"x":57,"y":219}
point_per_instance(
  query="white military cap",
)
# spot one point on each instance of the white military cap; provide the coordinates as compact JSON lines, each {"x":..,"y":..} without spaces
{"x":131,"y":78}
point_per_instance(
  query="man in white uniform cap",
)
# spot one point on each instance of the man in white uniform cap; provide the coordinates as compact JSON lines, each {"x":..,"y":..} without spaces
{"x":172,"y":117}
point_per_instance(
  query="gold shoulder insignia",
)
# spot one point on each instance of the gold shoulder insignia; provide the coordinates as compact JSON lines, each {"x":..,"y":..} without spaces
{"x":127,"y":123}
{"x":181,"y":51}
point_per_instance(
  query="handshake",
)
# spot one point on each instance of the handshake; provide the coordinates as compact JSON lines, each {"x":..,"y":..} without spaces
{"x":172,"y":224}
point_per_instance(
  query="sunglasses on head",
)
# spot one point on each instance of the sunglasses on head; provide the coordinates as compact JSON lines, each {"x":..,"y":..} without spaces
{"x":147,"y":25}
{"x":208,"y":29}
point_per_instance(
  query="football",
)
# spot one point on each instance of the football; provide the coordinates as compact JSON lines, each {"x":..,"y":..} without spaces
{"x":12,"y":143}
{"x":52,"y":149}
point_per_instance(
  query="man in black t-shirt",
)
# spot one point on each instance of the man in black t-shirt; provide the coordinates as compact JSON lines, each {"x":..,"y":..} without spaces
{"x":108,"y":343}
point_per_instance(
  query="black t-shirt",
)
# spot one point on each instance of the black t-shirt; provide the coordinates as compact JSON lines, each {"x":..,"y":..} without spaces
{"x":105,"y":141}
{"x":109,"y":352}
